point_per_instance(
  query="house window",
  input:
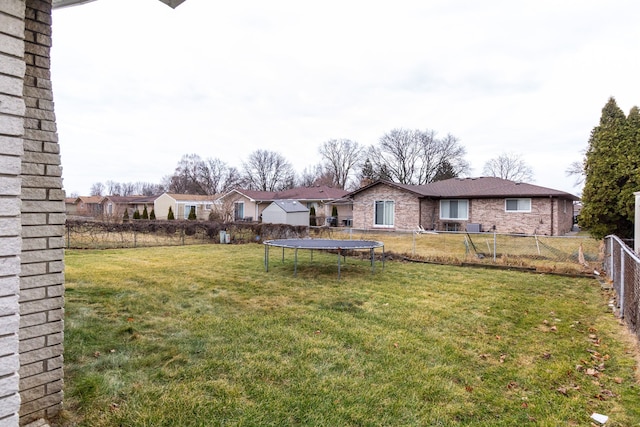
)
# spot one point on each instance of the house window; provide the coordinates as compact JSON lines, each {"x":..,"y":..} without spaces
{"x":383,"y":213}
{"x":238,"y":210}
{"x":208,"y":206}
{"x":517,"y":205}
{"x":454,"y":209}
{"x":187,"y":210}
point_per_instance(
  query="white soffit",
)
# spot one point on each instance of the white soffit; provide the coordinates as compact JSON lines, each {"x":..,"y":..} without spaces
{"x":65,"y":3}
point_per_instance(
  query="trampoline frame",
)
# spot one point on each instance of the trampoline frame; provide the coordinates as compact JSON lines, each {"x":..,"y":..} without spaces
{"x":322,"y":244}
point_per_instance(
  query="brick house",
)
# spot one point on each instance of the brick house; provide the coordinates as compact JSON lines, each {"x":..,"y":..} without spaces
{"x":464,"y":204}
{"x":32,"y":216}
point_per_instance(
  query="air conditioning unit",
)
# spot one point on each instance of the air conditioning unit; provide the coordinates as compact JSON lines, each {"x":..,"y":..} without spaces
{"x":474,"y":228}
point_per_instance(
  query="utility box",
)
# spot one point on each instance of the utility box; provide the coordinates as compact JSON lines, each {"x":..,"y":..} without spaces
{"x":474,"y":228}
{"x":223,"y":237}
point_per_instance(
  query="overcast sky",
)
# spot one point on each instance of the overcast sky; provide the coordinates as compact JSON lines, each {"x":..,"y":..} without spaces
{"x":138,"y":84}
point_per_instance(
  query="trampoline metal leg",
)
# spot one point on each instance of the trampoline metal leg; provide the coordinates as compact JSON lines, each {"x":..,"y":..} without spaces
{"x":295,"y":263}
{"x":373,"y":265}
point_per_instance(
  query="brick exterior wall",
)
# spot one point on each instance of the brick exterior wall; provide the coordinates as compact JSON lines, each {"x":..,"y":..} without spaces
{"x":12,"y":108}
{"x":407,"y":208}
{"x":43,"y":217}
{"x":548,"y":216}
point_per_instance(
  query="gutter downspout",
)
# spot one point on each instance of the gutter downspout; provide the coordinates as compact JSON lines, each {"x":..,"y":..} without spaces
{"x":551,"y":201}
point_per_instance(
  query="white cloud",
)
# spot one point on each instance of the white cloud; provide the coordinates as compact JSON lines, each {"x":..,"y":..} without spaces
{"x":137,"y":84}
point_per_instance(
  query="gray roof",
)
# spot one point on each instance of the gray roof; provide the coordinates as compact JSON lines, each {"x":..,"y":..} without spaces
{"x":476,"y":188}
{"x":291,"y":206}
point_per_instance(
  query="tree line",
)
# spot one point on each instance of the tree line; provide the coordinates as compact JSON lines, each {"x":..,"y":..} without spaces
{"x":406,"y":156}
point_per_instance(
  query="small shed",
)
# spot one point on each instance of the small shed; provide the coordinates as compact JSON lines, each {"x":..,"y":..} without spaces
{"x":289,"y":212}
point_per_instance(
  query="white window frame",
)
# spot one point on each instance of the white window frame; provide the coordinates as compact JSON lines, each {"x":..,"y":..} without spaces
{"x":448,"y":209}
{"x":389,"y":208}
{"x":519,"y":208}
{"x":235,"y":209}
{"x":187,"y":209}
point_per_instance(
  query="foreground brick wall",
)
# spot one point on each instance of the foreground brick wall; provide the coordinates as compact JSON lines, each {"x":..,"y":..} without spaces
{"x":41,"y":277}
{"x":12,"y":68}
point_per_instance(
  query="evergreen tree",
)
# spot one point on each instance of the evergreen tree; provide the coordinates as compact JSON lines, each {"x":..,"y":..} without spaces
{"x":136,"y":214}
{"x":445,"y":171}
{"x":312,"y":216}
{"x":192,"y":214}
{"x":170,"y":215}
{"x":334,"y":211}
{"x":125,"y":216}
{"x":145,"y":214}
{"x":152,"y":215}
{"x":611,"y":169}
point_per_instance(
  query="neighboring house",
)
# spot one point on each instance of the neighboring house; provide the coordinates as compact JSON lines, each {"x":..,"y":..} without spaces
{"x":84,"y":206}
{"x":113,"y":207}
{"x":32,"y":216}
{"x":181,"y":205}
{"x":464,"y":204}
{"x":289,"y":212}
{"x":248,"y":205}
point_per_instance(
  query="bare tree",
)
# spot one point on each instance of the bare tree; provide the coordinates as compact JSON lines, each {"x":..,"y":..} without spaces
{"x":232,"y":179}
{"x":193,"y":175}
{"x":415,"y":157}
{"x":576,"y":169}
{"x":97,"y":189}
{"x":340,"y":157}
{"x":509,"y":166}
{"x":129,"y":189}
{"x":316,"y":175}
{"x":114,"y":188}
{"x":267,"y":171}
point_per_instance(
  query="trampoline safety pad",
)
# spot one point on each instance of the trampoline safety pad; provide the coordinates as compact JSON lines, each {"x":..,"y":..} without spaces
{"x":322,"y":244}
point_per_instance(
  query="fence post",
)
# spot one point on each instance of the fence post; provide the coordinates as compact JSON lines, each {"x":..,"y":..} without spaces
{"x":611,"y":268}
{"x":494,"y":246}
{"x":622,"y":257}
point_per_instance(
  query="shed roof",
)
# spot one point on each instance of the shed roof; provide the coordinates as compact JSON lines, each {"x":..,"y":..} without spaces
{"x":290,"y":206}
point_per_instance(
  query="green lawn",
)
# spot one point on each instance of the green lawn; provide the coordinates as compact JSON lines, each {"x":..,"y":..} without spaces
{"x":203,"y":336}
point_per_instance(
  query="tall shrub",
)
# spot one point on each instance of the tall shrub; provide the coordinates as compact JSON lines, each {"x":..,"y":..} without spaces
{"x":192,"y":214}
{"x":152,"y":215}
{"x":170,"y":215}
{"x":611,"y":168}
{"x":145,"y":214}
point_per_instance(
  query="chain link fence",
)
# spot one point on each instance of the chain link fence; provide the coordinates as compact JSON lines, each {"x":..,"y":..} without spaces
{"x":574,"y":254}
{"x":145,"y":233}
{"x":622,"y":268}
{"x":569,"y":255}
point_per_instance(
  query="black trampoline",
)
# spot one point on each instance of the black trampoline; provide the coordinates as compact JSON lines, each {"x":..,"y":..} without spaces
{"x":322,"y":244}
